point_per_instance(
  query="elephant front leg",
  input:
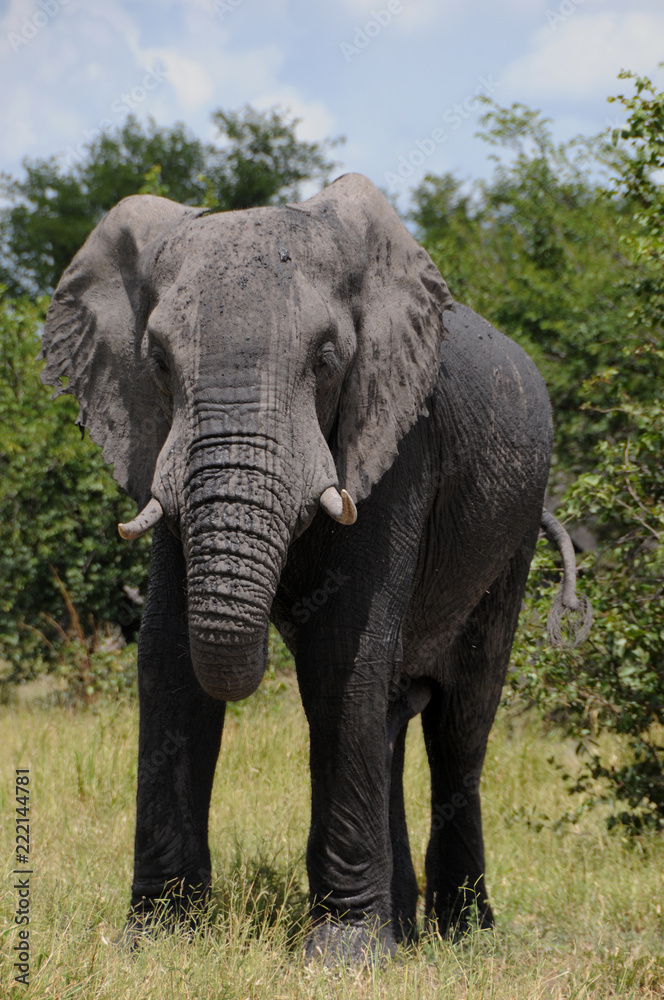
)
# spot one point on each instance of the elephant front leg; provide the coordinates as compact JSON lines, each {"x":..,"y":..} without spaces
{"x":179,"y":739}
{"x":349,"y":858}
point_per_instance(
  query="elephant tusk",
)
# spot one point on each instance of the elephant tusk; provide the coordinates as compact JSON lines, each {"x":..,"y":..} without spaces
{"x":151,"y":515}
{"x":339,"y":506}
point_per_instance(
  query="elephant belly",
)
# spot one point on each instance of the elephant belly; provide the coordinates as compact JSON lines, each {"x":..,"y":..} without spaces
{"x":444,"y":600}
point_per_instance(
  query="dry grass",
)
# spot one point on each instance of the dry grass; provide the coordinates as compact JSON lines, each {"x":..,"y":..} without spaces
{"x":579,"y":913}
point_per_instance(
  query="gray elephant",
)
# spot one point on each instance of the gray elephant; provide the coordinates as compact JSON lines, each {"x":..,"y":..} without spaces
{"x":321,"y":438}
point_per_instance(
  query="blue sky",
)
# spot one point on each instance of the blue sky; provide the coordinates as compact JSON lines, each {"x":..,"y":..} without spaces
{"x":396,"y":77}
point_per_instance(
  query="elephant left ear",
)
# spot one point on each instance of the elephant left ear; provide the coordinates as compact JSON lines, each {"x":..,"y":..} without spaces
{"x":92,"y":337}
{"x":399,"y":330}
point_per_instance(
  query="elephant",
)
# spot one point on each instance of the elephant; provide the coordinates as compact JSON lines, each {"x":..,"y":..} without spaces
{"x":321,"y":437}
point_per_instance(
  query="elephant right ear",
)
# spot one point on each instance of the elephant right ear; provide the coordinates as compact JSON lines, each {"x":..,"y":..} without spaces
{"x":399,"y":328}
{"x":92,"y":338}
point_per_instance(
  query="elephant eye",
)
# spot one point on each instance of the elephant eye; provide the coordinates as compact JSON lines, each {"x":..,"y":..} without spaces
{"x":328,"y":359}
{"x":159,"y":358}
{"x":160,"y":368}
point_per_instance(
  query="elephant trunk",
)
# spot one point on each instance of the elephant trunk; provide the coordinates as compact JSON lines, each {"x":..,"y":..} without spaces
{"x":238,"y":520}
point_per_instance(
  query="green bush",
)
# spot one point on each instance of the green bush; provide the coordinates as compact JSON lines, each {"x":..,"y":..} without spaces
{"x":535,"y":249}
{"x":59,"y":509}
{"x":615,"y":680}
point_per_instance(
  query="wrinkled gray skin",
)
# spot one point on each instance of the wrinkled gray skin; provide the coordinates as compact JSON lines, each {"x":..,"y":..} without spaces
{"x":234,"y":366}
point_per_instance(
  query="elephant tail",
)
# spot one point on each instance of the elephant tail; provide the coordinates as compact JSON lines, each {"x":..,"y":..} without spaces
{"x":570,"y":616}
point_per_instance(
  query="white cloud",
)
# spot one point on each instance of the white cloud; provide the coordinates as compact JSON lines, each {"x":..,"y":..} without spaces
{"x":582,"y":56}
{"x":88,"y":64}
{"x":18,"y":122}
{"x":317,"y":122}
{"x":206,"y":67}
{"x":192,"y":82}
{"x":112,"y":13}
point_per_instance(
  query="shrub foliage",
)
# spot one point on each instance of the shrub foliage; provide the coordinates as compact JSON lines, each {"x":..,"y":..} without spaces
{"x":615,"y":681}
{"x":59,"y":509}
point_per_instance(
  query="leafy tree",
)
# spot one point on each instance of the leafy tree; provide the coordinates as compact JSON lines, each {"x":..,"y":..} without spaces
{"x":615,"y":681}
{"x":638,"y":181}
{"x":536,"y":249}
{"x":56,"y":205}
{"x":262,"y":162}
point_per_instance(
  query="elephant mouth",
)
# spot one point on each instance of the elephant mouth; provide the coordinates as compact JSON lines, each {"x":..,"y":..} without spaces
{"x":338,"y":505}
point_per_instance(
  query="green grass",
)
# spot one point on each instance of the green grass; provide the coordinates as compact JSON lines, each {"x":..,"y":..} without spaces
{"x":578,"y":913}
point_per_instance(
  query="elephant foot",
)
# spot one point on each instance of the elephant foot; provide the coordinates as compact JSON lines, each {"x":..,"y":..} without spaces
{"x":468,"y":912}
{"x":337,"y":944}
{"x":405,"y":932}
{"x":180,"y":905}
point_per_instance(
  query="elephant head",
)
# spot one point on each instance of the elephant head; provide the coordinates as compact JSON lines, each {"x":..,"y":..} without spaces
{"x":239,"y":370}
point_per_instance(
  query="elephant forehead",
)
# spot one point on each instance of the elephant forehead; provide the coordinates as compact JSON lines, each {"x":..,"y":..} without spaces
{"x":267,"y":244}
{"x":235,"y":304}
{"x":240,"y":309}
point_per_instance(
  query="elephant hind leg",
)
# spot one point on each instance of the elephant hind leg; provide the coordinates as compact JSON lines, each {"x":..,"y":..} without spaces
{"x":404,"y":889}
{"x":456,"y":725}
{"x":410,"y":697}
{"x":456,"y":892}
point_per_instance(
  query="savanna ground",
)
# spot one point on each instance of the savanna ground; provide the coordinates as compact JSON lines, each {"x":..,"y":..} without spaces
{"x":579,"y":911}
